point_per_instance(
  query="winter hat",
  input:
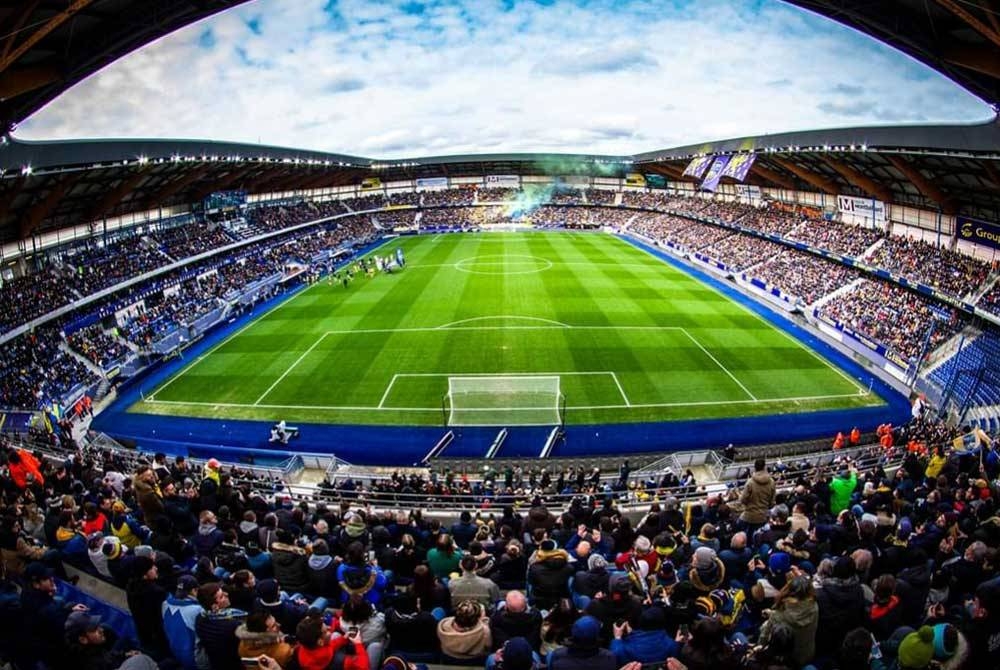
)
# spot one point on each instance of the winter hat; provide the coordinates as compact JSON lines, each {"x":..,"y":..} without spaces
{"x":667,"y":574}
{"x":941,"y":649}
{"x":585,"y":632}
{"x":185,"y":585}
{"x":858,"y":511}
{"x":917,"y":649}
{"x":517,"y":654}
{"x":704,"y":558}
{"x":355,"y":526}
{"x":268,"y":592}
{"x":643,"y":545}
{"x":213,"y":463}
{"x":596,"y":562}
{"x":145,"y":551}
{"x":113,"y":548}
{"x":779,"y":563}
{"x":141,"y":566}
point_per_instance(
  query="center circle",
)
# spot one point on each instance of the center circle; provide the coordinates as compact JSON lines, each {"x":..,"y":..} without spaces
{"x":500,"y":264}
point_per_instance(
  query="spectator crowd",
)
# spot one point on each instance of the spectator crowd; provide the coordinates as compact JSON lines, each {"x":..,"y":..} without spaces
{"x":884,"y":563}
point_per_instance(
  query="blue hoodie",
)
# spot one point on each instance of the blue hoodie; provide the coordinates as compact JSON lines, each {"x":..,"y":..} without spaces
{"x":179,"y":615}
{"x":645,"y":646}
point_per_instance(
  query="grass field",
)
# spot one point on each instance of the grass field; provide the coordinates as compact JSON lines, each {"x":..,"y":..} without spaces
{"x":629,"y":337}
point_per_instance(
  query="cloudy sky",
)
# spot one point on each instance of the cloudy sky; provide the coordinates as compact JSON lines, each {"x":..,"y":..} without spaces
{"x":386,"y":78}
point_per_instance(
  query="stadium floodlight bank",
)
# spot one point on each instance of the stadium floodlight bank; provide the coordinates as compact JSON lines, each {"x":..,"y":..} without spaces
{"x":504,"y":400}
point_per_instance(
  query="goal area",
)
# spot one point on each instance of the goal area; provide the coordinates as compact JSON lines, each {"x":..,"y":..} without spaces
{"x":503,"y":400}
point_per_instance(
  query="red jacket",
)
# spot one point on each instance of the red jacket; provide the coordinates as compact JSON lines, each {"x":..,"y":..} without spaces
{"x":321,"y":658}
{"x":19,"y":471}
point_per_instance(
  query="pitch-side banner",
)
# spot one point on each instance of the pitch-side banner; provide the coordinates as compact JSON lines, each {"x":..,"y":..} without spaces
{"x":739,"y":166}
{"x":979,"y":232}
{"x":503,"y":180}
{"x":696,"y":168}
{"x":865,"y":208}
{"x":714,"y":173}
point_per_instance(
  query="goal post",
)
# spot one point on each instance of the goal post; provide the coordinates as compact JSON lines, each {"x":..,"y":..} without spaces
{"x":504,"y":400}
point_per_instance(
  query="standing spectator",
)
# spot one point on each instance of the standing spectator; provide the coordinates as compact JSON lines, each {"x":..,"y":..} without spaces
{"x":842,"y":488}
{"x":757,"y":497}
{"x":180,"y":611}
{"x":145,"y":601}
{"x":290,"y":563}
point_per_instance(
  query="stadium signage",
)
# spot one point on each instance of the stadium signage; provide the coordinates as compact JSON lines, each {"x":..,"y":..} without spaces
{"x":865,"y":208}
{"x":503,"y":180}
{"x":979,"y":232}
{"x":432,"y":182}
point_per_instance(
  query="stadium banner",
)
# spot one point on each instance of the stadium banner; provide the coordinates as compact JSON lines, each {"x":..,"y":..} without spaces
{"x":432,"y":182}
{"x":862,"y":208}
{"x":371,"y":182}
{"x":714,"y":174}
{"x":979,"y":232}
{"x":635,"y":179}
{"x":503,"y":180}
{"x":748,"y":195}
{"x":696,"y":168}
{"x":739,"y":166}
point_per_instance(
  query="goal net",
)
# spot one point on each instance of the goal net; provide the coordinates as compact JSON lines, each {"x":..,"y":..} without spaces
{"x":504,"y":400}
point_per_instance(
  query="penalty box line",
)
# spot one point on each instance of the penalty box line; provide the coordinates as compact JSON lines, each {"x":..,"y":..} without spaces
{"x":392,"y":382}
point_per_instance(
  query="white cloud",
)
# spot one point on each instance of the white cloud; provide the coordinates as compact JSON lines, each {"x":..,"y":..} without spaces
{"x":392,"y":79}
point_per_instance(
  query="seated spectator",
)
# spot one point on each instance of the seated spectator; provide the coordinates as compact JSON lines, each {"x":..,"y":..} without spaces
{"x":412,"y":630}
{"x":591,"y":581}
{"x":444,"y":558}
{"x":359,"y":614}
{"x":357,"y":576}
{"x":511,"y":567}
{"x":707,"y":649}
{"x":548,"y":576}
{"x":287,"y":611}
{"x":316,"y":648}
{"x":290,"y":564}
{"x":216,"y":628}
{"x":557,"y":627}
{"x":466,"y":635}
{"x":514,"y":654}
{"x":93,"y":647}
{"x":795,"y":609}
{"x":648,"y":643}
{"x":583,"y":650}
{"x":242,"y":590}
{"x":262,"y":634}
{"x":515,"y":619}
{"x":323,"y":572}
{"x":470,"y":586}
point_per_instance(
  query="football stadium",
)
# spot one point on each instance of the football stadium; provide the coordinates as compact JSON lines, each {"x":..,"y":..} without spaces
{"x":402,"y":398}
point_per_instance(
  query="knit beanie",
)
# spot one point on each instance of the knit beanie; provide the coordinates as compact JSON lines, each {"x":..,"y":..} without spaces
{"x":596,"y":562}
{"x":704,"y":558}
{"x":917,"y":649}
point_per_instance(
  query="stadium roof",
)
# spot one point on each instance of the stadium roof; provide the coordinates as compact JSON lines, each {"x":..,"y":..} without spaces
{"x":47,"y":46}
{"x":959,"y":38}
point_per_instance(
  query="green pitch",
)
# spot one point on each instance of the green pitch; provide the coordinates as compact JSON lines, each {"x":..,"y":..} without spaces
{"x":629,"y":337}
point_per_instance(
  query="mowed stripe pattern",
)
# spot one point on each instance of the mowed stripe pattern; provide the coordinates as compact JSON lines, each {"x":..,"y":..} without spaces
{"x":658,"y":344}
